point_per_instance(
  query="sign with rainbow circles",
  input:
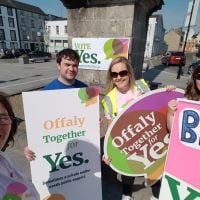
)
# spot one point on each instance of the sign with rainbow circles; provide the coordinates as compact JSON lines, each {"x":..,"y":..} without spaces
{"x":97,"y":53}
{"x":137,"y":139}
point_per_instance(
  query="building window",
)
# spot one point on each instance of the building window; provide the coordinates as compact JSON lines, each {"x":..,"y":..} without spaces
{"x":40,"y":25}
{"x":1,"y":21}
{"x":22,"y":21}
{"x":58,"y":43}
{"x":13,"y":35}
{"x":33,"y":35}
{"x":49,"y":29}
{"x":65,"y":29}
{"x":21,"y":12}
{"x":2,"y":45}
{"x":13,"y":45}
{"x":65,"y":43}
{"x":57,"y":30}
{"x":26,"y":46}
{"x":11,"y":22}
{"x":37,"y":47}
{"x":9,"y":11}
{"x":32,"y":23}
{"x":2,"y":34}
{"x":24,"y":35}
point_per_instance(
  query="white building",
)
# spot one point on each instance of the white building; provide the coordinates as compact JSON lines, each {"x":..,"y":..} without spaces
{"x":195,"y":20}
{"x":155,"y":44}
{"x":56,"y":35}
{"x":193,"y":37}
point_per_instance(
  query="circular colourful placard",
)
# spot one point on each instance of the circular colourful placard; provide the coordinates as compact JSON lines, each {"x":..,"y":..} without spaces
{"x":137,"y":139}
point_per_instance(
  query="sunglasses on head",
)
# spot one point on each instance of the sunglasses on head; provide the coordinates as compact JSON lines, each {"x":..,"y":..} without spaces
{"x":122,"y":73}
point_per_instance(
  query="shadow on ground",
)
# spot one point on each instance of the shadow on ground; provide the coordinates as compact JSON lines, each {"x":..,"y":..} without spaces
{"x":150,"y":75}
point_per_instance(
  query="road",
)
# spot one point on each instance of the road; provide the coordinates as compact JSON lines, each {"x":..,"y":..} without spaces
{"x":15,"y":77}
{"x":161,"y":75}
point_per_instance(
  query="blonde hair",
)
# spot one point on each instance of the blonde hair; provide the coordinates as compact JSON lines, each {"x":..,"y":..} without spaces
{"x":109,"y":80}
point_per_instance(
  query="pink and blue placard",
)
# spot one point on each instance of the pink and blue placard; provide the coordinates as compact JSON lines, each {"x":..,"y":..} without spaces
{"x":181,"y":178}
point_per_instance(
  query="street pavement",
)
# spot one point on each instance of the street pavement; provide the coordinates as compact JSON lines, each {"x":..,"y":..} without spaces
{"x":15,"y":78}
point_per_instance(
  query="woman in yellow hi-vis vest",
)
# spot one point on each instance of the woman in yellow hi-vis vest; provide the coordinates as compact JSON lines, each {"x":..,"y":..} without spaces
{"x":121,"y":89}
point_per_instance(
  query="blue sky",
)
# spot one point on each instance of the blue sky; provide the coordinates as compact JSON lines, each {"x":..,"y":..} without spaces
{"x":54,"y":7}
{"x":173,"y":11}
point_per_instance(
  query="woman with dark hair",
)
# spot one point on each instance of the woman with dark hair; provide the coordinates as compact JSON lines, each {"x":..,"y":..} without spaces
{"x":192,"y":92}
{"x":10,"y":117}
{"x":12,"y":184}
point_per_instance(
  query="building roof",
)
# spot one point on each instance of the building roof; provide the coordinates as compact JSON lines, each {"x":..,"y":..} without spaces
{"x":22,"y":6}
{"x":157,"y":16}
{"x":85,"y":3}
{"x":178,"y":31}
{"x":51,"y":17}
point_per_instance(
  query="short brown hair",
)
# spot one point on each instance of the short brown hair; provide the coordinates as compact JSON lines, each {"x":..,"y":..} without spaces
{"x":70,"y":53}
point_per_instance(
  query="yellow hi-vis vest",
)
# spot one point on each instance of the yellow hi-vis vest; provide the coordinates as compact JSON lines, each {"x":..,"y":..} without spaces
{"x":109,"y":102}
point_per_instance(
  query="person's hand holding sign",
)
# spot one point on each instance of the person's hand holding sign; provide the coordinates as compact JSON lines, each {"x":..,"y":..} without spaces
{"x":106,"y":160}
{"x":30,"y":155}
{"x":172,"y":107}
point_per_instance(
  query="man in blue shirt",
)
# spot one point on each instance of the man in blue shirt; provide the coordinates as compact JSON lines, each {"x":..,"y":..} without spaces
{"x":67,"y":64}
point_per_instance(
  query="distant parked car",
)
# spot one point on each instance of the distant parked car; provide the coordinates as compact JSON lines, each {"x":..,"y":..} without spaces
{"x":174,"y":58}
{"x":35,"y":56}
{"x":27,"y":50}
{"x":6,"y":53}
{"x":193,"y":66}
{"x":2,"y":53}
{"x":19,"y":52}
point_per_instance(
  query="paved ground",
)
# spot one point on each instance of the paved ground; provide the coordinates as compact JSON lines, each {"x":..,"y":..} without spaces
{"x":15,"y":78}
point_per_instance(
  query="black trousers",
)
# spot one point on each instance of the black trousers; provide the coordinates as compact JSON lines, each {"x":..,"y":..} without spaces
{"x":127,"y":185}
{"x":156,"y":189}
{"x":127,"y":181}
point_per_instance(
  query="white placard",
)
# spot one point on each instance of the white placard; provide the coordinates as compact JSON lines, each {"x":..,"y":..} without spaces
{"x":97,"y":53}
{"x":63,"y":130}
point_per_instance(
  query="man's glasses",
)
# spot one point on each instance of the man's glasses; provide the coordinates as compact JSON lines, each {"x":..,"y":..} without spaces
{"x":122,"y":73}
{"x":7,"y":120}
